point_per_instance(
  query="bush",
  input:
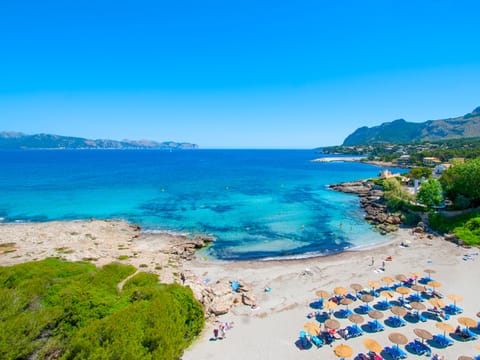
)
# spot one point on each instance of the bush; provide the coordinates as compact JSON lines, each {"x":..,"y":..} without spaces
{"x":75,"y":311}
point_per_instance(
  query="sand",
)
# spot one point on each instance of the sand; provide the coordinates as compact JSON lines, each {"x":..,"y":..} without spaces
{"x":271,"y":330}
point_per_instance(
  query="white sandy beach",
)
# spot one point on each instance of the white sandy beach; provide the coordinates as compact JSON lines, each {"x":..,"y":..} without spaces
{"x":271,"y":330}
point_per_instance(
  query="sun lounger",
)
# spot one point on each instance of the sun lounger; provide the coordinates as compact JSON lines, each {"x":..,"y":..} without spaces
{"x":395,"y":352}
{"x":317,"y":341}
{"x":304,"y":339}
{"x":442,"y":341}
{"x":396,"y":321}
{"x":352,"y":331}
{"x":365,"y":308}
{"x":419,"y":348}
{"x":466,"y":335}
{"x":415,"y":298}
{"x":453,"y":309}
{"x":343,"y":313}
{"x":384,"y":305}
{"x":375,"y":326}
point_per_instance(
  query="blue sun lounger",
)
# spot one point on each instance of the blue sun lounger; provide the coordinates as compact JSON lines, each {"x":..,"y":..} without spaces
{"x":442,"y":341}
{"x":453,"y":309}
{"x":375,"y":326}
{"x":395,"y":352}
{"x":353,"y":331}
{"x":317,"y":341}
{"x":396,"y":321}
{"x":419,"y":348}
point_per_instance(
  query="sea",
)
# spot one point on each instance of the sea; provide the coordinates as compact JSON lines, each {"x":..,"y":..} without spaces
{"x":257,"y":204}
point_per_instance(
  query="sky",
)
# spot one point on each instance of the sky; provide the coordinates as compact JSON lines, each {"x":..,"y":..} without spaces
{"x":234,"y":74}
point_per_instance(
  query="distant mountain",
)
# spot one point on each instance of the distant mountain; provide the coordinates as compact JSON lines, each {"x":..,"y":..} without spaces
{"x":16,"y":140}
{"x":401,"y":131}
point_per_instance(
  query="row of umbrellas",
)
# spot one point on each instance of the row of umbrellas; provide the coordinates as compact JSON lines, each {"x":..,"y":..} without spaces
{"x":346,"y":351}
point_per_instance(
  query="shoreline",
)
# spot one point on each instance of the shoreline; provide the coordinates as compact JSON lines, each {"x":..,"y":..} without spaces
{"x":271,"y":329}
{"x":357,"y":159}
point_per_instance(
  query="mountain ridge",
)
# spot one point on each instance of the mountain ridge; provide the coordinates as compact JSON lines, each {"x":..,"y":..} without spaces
{"x":18,"y":140}
{"x":402,"y":131}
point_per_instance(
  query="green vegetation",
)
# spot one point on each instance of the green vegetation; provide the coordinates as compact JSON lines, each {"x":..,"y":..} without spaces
{"x":466,"y":227}
{"x":462,"y":183}
{"x":445,"y":150}
{"x":430,"y":193}
{"x":58,"y":309}
{"x":419,"y":172}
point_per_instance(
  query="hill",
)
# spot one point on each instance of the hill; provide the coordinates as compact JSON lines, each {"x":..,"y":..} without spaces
{"x":401,"y":131}
{"x":16,"y":140}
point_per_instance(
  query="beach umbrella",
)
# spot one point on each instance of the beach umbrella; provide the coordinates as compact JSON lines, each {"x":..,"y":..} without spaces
{"x":356,"y":318}
{"x":373,"y":284}
{"x":312,"y":328}
{"x":434,"y":284}
{"x":429,"y":271}
{"x":388,"y":279}
{"x":330,"y":305}
{"x":402,"y":290}
{"x":366,"y":298}
{"x":356,"y":287}
{"x":423,"y":334}
{"x":340,"y":290}
{"x":346,"y":302}
{"x":387,"y":294}
{"x":455,"y":298}
{"x":400,"y":277}
{"x":418,"y":288}
{"x":477,"y":347}
{"x":445,"y":327}
{"x":415,"y":274}
{"x":398,"y":339}
{"x":343,"y":351}
{"x":375,"y":314}
{"x":466,"y":321}
{"x":332,"y":324}
{"x":463,"y":357}
{"x":322,"y":294}
{"x":398,"y":310}
{"x":417,"y":305}
{"x":372,"y":345}
{"x":437,"y":303}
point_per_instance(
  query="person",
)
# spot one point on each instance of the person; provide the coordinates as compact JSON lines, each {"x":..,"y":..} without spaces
{"x":373,"y":261}
{"x":215,"y":333}
{"x":182,"y":278}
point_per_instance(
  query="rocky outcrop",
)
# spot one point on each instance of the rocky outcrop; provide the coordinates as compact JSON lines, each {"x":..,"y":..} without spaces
{"x":186,"y":247}
{"x":218,"y":298}
{"x":373,"y":203}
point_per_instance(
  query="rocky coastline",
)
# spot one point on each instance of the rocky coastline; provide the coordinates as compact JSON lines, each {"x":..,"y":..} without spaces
{"x":373,"y":203}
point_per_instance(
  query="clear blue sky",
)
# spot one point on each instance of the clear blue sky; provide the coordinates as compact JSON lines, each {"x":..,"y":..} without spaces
{"x":274,"y":74}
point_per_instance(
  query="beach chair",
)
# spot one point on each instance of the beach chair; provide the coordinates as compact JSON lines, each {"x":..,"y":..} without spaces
{"x":317,"y":341}
{"x":375,"y":326}
{"x":304,"y":339}
{"x":396,"y":321}
{"x":343,"y":313}
{"x":420,"y":316}
{"x":364,"y":308}
{"x":353,"y":331}
{"x":442,"y":341}
{"x":384,"y":305}
{"x":419,"y":348}
{"x":395,"y":352}
{"x":415,"y":298}
{"x":453,"y":309}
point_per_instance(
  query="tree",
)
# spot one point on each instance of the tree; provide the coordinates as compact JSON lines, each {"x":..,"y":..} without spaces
{"x":419,"y":172}
{"x":463,"y":180}
{"x":430,"y":193}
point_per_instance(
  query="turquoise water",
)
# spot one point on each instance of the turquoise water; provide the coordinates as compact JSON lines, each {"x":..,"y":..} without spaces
{"x":257,"y":203}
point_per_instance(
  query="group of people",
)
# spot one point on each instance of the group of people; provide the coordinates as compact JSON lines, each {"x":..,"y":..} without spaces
{"x":219,"y":332}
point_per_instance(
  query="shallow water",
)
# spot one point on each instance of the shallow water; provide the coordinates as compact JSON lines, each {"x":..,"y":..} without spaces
{"x":257,"y":203}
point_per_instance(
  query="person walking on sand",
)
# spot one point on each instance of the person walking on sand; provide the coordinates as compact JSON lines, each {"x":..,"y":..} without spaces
{"x":373,"y":261}
{"x":215,"y":333}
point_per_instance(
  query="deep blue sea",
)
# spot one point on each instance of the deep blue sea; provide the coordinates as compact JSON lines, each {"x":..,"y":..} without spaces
{"x":257,"y":203}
